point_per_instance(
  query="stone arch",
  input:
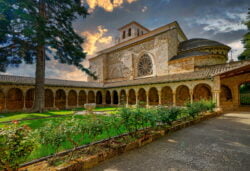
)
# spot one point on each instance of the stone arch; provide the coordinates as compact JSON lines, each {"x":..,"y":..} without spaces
{"x":2,"y":101}
{"x":99,"y":97}
{"x":182,"y":95}
{"x":202,"y":92}
{"x":153,"y":96}
{"x":82,"y":99}
{"x":244,"y":92}
{"x":115,"y":97}
{"x":29,"y":98}
{"x":72,"y":98}
{"x":131,"y":97}
{"x":15,"y":99}
{"x":123,"y":97}
{"x":225,"y":94}
{"x":91,"y":97}
{"x":145,"y":65}
{"x":142,"y":96}
{"x":49,"y":98}
{"x":108,"y":97}
{"x":60,"y":99}
{"x":167,"y":96}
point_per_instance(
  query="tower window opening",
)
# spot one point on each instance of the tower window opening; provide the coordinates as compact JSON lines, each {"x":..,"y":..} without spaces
{"x":124,"y":35}
{"x":129,"y":32}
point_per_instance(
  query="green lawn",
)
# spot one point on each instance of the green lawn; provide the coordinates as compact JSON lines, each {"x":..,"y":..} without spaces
{"x":19,"y":116}
{"x":45,"y":150}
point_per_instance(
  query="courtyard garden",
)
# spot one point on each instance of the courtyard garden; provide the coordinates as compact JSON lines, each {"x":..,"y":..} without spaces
{"x":26,"y":140}
{"x":6,"y":117}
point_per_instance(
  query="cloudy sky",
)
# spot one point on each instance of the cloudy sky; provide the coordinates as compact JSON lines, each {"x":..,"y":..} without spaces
{"x":219,"y":20}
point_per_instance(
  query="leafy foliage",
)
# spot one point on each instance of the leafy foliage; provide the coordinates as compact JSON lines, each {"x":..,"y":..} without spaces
{"x":16,"y":144}
{"x":197,"y":107}
{"x":168,"y":115}
{"x":246,"y":40}
{"x":138,"y":118}
{"x":75,"y":130}
{"x":23,"y":29}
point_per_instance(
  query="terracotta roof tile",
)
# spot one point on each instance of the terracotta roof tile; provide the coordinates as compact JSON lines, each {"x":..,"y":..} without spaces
{"x":8,"y":79}
{"x":202,"y":73}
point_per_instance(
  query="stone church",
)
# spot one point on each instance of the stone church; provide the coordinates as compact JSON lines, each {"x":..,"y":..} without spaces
{"x":149,"y":67}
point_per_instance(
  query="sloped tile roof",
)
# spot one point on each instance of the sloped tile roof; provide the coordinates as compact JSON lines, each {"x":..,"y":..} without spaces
{"x":8,"y":79}
{"x":197,"y":43}
{"x":189,"y":54}
{"x":202,"y":73}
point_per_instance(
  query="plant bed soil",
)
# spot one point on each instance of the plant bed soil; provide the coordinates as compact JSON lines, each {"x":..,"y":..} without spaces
{"x":96,"y":153}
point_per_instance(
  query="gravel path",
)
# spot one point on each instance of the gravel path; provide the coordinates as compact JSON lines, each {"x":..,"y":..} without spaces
{"x":219,"y":144}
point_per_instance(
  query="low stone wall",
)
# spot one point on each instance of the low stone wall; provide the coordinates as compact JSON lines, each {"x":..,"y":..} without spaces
{"x":87,"y":162}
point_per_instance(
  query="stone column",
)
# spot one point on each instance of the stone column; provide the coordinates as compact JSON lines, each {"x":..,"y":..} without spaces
{"x":191,"y":96}
{"x":24,"y":99}
{"x":54,"y":100}
{"x":174,"y":98}
{"x":67,"y":95}
{"x":147,"y":98}
{"x":127,"y":96}
{"x":137,"y":97}
{"x":159,"y":94}
{"x":77,"y":99}
{"x":112,"y":98}
{"x":216,"y":99}
{"x":118,"y":97}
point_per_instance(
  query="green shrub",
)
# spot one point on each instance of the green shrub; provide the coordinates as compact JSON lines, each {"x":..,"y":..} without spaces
{"x":51,"y":134}
{"x":168,"y":115}
{"x":138,"y":118}
{"x":95,"y":128}
{"x":196,"y":108}
{"x":163,"y":114}
{"x":193,"y":109}
{"x":210,"y":105}
{"x":16,"y":144}
{"x":174,"y":112}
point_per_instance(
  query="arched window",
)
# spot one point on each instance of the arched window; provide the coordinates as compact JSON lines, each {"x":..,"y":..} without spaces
{"x":129,"y":32}
{"x":145,"y":66}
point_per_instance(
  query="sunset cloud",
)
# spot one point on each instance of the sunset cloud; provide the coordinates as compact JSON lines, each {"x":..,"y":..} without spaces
{"x":107,"y":5}
{"x":95,"y":41}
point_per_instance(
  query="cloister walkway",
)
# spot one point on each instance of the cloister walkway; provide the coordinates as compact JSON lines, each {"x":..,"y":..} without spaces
{"x":218,"y":144}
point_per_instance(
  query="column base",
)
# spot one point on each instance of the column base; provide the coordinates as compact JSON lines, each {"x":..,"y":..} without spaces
{"x":218,"y":109}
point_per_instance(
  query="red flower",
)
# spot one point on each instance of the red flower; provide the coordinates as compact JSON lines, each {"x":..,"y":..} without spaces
{"x":15,"y":122}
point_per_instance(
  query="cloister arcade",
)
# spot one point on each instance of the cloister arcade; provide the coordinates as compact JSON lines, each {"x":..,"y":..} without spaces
{"x":224,"y":91}
{"x":20,"y":98}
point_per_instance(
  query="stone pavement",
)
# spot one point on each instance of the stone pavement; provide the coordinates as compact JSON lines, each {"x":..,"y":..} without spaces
{"x":219,"y":144}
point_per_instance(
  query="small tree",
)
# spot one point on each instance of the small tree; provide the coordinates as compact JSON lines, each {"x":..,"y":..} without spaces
{"x":30,"y":29}
{"x":246,"y":40}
